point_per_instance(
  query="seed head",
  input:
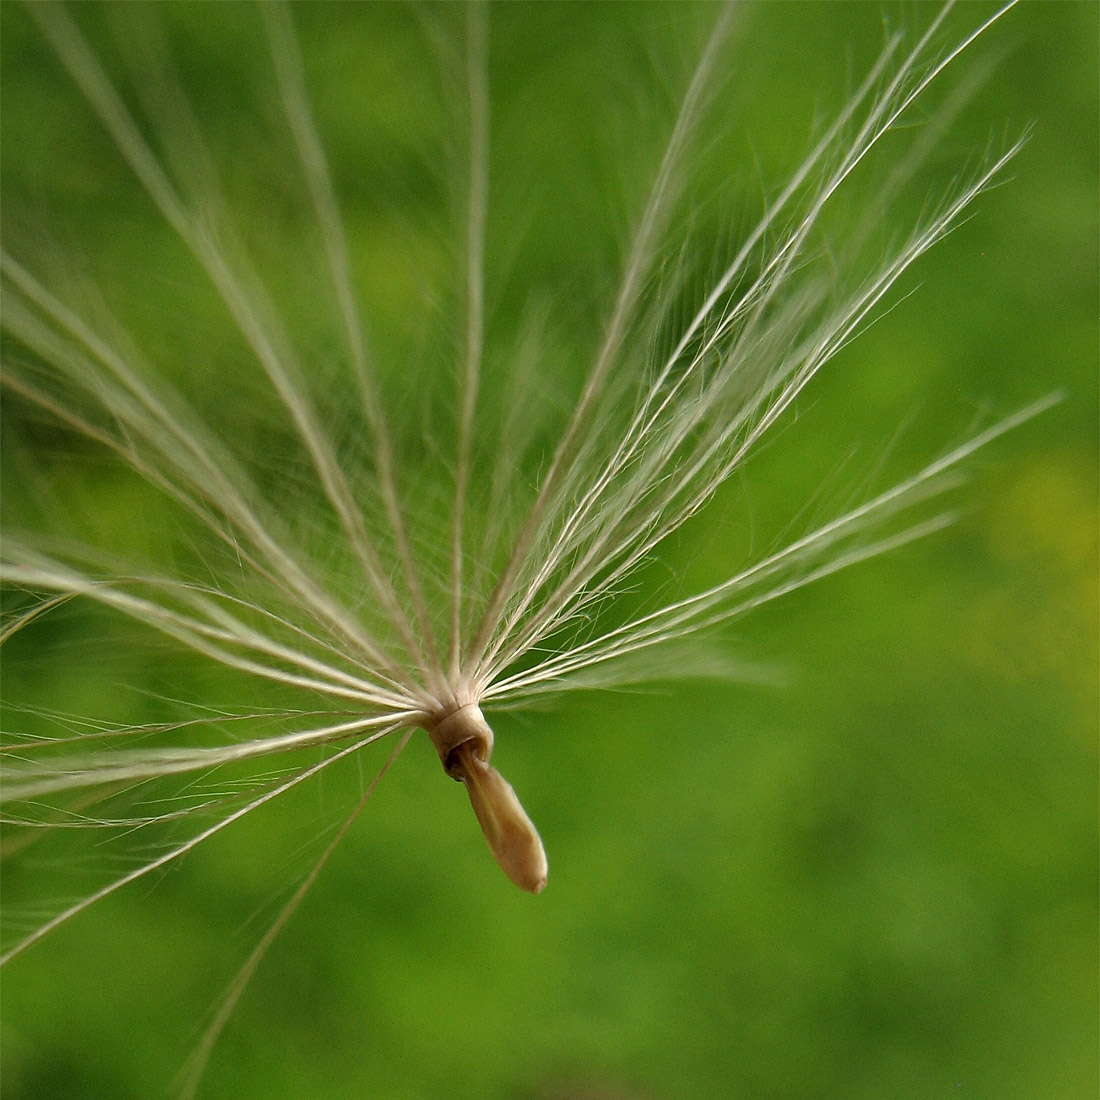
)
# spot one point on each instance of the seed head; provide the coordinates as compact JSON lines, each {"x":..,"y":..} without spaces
{"x":386,"y":580}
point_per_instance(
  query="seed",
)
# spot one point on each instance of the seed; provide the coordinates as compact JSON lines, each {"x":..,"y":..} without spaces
{"x":464,"y":742}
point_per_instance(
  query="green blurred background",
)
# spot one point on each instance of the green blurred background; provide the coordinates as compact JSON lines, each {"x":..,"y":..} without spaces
{"x":874,"y":877}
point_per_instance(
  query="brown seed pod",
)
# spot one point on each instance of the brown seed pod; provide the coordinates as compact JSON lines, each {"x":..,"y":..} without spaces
{"x":464,"y":742}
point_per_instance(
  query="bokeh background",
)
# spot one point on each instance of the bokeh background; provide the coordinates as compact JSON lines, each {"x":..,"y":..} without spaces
{"x":871,"y":874}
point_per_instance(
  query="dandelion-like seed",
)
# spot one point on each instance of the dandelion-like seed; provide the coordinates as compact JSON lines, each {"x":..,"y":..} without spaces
{"x":428,"y":583}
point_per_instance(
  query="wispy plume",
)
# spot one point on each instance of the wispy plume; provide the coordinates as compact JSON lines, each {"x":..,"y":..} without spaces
{"x":384,"y":587}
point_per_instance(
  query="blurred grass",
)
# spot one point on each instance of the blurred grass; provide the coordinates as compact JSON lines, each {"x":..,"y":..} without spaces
{"x":876,"y":881}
